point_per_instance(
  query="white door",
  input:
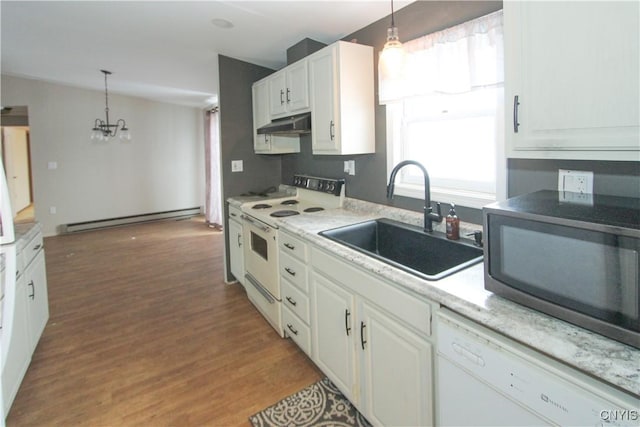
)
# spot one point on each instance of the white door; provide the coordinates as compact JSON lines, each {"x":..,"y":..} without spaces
{"x":277,"y":93}
{"x":322,"y":74}
{"x":16,"y":145}
{"x":298,"y":87}
{"x":235,"y":250}
{"x":334,"y":323}
{"x":37,"y":298}
{"x":396,"y":371}
{"x":574,"y":67}
{"x":260,"y":91}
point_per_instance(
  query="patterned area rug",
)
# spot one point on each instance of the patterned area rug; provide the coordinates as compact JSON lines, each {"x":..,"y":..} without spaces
{"x":320,"y":404}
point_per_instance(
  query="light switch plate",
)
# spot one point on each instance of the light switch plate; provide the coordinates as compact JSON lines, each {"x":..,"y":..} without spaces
{"x":236,"y":166}
{"x":575,"y":181}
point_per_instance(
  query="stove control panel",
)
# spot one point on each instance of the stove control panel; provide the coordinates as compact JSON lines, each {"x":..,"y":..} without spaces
{"x":324,"y":185}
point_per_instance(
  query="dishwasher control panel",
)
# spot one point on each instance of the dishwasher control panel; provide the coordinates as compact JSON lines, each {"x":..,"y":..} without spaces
{"x":541,"y":388}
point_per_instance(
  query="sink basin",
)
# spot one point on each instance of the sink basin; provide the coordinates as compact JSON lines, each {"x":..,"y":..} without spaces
{"x":428,"y":255}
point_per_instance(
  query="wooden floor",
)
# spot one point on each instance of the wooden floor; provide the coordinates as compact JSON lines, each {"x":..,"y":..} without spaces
{"x":143,"y":331}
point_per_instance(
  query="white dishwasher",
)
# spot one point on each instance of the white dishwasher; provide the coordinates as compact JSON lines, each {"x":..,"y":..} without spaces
{"x":484,"y":379}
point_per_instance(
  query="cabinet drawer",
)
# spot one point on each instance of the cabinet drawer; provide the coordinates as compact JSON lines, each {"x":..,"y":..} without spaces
{"x":293,"y":246}
{"x":31,"y":249}
{"x":294,"y":271}
{"x":296,"y":330}
{"x":410,"y":309}
{"x":295,"y":300}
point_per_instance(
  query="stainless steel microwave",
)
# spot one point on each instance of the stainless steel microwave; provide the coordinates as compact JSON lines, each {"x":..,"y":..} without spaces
{"x":572,"y":256}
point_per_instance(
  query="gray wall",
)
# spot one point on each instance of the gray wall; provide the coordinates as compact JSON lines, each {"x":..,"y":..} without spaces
{"x":369,"y":183}
{"x":415,"y":20}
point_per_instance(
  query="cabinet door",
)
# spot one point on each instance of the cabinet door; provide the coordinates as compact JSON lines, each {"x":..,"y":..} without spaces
{"x":297,"y":92}
{"x":277,"y":93}
{"x":333,"y":333}
{"x":396,"y":371}
{"x":574,"y":68}
{"x":15,"y":336}
{"x":322,"y":71}
{"x":37,"y":298}
{"x":261,"y":143}
{"x":236,"y":255}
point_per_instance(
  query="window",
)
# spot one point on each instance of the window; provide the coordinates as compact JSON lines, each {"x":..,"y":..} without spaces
{"x":448,"y":114}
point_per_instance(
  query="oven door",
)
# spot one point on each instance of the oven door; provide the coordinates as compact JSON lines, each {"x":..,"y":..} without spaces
{"x":261,"y":256}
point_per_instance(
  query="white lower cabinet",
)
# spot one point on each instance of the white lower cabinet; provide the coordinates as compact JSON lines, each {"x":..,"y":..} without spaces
{"x":372,"y":340}
{"x":37,"y":299}
{"x":236,"y":250}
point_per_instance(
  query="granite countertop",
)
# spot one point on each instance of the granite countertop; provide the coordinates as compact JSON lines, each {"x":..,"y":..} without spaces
{"x":613,"y":362}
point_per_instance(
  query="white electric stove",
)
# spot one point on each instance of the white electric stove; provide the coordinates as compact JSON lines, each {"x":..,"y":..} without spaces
{"x":260,"y":234}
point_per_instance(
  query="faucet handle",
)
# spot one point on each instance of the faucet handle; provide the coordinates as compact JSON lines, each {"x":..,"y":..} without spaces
{"x":438,"y":211}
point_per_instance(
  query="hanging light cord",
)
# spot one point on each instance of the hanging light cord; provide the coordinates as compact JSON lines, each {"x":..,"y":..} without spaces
{"x":392,"y":21}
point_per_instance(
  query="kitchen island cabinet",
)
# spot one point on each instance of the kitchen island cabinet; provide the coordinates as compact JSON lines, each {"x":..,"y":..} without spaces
{"x":571,"y":79}
{"x":365,"y":328}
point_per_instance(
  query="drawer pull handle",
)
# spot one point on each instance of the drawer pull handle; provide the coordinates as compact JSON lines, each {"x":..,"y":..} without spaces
{"x":281,"y":97}
{"x":289,"y":246}
{"x":292,"y":301}
{"x":347,"y":313}
{"x":292,"y":329}
{"x":33,"y":290}
{"x":290,"y":271}
{"x":36,"y":247}
{"x":516,"y":104}
{"x":362,"y":340}
{"x":239,"y":241}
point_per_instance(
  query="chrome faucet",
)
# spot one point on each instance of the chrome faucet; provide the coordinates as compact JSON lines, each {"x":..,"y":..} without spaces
{"x":429,"y":216}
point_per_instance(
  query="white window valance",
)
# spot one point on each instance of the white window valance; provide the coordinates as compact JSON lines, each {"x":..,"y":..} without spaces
{"x":452,"y":61}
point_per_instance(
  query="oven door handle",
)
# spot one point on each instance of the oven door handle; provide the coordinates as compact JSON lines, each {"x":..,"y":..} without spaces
{"x":265,"y":293}
{"x":255,"y":223}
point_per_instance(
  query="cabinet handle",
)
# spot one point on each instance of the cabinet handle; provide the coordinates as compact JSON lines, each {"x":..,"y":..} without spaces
{"x":331,"y":130}
{"x":288,"y":97}
{"x":516,"y":104}
{"x":36,"y":247}
{"x":289,"y":246}
{"x":281,"y":96}
{"x":362,"y":341}
{"x":290,"y":271}
{"x":239,"y":242}
{"x":292,"y":301}
{"x":347,"y":313}
{"x":292,"y":329}
{"x":33,"y":290}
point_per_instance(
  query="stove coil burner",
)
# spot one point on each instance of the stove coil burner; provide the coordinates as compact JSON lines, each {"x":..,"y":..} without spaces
{"x":261,"y":206}
{"x":290,"y":202}
{"x":314,"y":209}
{"x":283,"y":213}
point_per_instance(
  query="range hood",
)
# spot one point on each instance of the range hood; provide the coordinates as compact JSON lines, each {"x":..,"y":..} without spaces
{"x":294,"y":125}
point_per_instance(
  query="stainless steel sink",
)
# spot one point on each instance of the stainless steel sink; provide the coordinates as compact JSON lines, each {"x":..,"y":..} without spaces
{"x":427,"y":255}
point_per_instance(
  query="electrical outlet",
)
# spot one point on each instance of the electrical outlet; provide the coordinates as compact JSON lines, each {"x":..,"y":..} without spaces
{"x":575,"y":181}
{"x":352,"y":167}
{"x":236,"y":166}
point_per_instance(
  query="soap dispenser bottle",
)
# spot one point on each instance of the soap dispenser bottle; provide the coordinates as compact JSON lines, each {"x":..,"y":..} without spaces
{"x":453,"y":224}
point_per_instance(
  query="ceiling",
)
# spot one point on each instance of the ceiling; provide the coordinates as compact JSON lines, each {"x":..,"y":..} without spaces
{"x":166,"y":50}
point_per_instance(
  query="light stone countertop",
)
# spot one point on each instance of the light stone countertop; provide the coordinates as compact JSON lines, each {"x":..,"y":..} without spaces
{"x":613,"y":362}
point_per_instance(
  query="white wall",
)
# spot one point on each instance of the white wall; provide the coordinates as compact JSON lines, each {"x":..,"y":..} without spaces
{"x":161,"y":169}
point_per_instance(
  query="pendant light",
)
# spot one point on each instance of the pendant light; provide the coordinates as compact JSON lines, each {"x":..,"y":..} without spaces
{"x":391,"y":61}
{"x":102,"y":129}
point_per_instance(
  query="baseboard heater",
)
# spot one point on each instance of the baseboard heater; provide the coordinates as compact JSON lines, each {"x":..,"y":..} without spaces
{"x":125,"y":220}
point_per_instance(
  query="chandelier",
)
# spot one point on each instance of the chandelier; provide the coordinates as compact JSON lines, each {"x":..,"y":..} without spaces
{"x":102,"y":129}
{"x":391,"y":61}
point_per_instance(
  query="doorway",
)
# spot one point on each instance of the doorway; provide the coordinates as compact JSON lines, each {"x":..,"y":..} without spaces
{"x":16,"y":157}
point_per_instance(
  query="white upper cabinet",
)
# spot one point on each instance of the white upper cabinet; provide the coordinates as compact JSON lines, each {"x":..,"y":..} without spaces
{"x":289,"y":90}
{"x":572,"y":79}
{"x":262,"y":143}
{"x":342,"y":100}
